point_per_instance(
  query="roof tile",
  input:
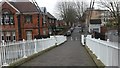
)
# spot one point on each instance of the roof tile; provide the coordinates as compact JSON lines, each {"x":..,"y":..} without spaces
{"x":25,"y":7}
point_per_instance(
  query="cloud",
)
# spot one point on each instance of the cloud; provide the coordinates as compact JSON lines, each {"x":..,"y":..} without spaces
{"x":49,"y":4}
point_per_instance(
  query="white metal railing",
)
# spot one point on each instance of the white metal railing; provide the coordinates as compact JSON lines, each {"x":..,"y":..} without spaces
{"x":105,"y":51}
{"x":10,"y":53}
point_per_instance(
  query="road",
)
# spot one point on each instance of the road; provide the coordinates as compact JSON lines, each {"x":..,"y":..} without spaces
{"x":71,"y":53}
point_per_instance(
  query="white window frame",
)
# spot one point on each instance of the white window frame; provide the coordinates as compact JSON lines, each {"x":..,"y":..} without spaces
{"x":13,"y":36}
{"x":7,"y":36}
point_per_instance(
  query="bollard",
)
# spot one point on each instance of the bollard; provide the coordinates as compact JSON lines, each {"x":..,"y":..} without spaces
{"x":1,"y":55}
{"x":82,"y":39}
{"x":4,"y":53}
{"x":108,"y":40}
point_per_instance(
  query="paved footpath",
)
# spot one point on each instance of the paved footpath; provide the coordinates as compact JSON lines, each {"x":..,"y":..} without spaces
{"x":71,"y":53}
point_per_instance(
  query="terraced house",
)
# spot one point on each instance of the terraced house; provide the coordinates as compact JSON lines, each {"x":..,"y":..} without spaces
{"x":52,"y":23}
{"x":22,"y":20}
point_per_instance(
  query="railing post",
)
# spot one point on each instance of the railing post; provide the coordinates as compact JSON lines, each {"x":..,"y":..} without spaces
{"x":4,"y":52}
{"x":35,"y":50}
{"x":108,"y":40}
{"x":42,"y":43}
{"x":108,"y":60}
{"x":24,"y":49}
{"x":1,"y":55}
{"x":94,"y":47}
{"x":107,"y":55}
{"x":56,"y":43}
{"x":99,"y":49}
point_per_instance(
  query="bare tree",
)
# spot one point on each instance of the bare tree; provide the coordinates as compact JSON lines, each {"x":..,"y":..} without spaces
{"x":114,"y":7}
{"x":72,"y":11}
{"x":81,"y":7}
{"x":67,"y":12}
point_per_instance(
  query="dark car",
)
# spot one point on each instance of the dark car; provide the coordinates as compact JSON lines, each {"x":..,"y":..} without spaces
{"x":68,"y":33}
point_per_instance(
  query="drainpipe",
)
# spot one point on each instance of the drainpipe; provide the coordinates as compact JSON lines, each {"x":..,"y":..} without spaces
{"x":39,"y":23}
{"x":19,"y":27}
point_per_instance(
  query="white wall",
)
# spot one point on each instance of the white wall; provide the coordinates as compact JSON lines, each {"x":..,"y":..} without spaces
{"x":92,"y":26}
{"x":105,"y":51}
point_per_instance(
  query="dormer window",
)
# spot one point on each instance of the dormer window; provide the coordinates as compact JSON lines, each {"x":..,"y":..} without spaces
{"x":7,"y":18}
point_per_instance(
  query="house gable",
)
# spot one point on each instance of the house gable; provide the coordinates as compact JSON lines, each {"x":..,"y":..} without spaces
{"x":25,"y":7}
{"x":22,"y":7}
{"x":50,"y":16}
{"x":7,"y":5}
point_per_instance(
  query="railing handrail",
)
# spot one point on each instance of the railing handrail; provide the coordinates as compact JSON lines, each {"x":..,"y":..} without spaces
{"x":15,"y":51}
{"x":105,"y":51}
{"x":103,"y":42}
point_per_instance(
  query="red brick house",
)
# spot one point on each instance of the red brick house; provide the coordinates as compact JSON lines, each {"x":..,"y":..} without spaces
{"x":20,"y":20}
{"x":61,"y":23}
{"x":44,"y":24}
{"x":51,"y":23}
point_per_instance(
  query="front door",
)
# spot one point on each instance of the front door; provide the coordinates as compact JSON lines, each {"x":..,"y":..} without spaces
{"x":29,"y":35}
{"x":44,"y":31}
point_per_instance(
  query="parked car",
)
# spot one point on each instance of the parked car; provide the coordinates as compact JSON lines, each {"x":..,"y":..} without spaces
{"x":71,"y":29}
{"x":42,"y":36}
{"x":68,"y":33}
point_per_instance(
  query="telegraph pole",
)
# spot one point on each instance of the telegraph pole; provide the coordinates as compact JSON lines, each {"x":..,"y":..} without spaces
{"x":38,"y":8}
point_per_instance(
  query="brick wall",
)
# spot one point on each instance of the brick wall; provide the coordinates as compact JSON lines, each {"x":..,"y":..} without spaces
{"x":20,"y":29}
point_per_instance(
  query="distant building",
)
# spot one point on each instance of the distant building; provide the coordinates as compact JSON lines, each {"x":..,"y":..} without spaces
{"x":51,"y":23}
{"x":95,"y":25}
{"x":61,"y":23}
{"x":99,"y":17}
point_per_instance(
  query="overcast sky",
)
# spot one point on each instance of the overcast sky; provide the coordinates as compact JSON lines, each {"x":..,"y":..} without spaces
{"x":51,"y":4}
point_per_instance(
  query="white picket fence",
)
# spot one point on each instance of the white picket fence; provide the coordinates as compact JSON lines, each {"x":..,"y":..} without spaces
{"x":105,"y":51}
{"x":10,"y":53}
